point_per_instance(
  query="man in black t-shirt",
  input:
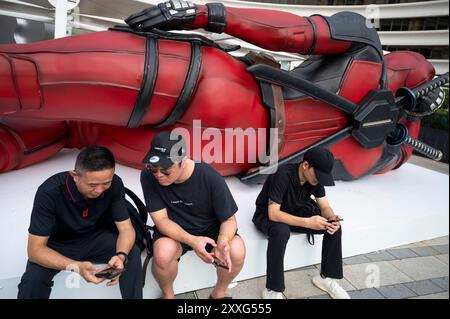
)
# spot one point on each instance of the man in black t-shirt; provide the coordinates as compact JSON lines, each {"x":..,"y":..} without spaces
{"x":66,"y":230}
{"x":285,"y":205}
{"x":192,"y":209}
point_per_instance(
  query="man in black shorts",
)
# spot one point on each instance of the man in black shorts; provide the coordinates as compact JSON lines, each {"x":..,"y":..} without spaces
{"x":66,"y":230}
{"x":285,"y":205}
{"x":192,"y":209}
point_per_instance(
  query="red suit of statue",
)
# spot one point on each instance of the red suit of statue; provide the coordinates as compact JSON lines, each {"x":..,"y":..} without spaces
{"x":118,"y":88}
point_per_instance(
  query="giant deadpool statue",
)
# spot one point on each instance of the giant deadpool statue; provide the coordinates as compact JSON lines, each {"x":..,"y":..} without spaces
{"x":118,"y":88}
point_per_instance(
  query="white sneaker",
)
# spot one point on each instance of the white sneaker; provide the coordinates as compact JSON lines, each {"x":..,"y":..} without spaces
{"x":330,"y":286}
{"x":270,"y":294}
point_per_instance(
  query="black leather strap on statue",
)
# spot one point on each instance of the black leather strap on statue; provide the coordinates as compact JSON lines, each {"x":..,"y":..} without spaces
{"x":216,"y":17}
{"x":148,"y":83}
{"x":188,"y":87}
{"x":160,"y":34}
{"x":268,"y":101}
{"x":314,"y":27}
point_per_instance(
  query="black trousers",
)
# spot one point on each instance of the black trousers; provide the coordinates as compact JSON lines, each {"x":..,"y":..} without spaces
{"x":279,"y":234}
{"x":100,"y":247}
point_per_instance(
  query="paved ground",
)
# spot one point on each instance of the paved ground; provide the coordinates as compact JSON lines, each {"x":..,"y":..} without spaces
{"x":418,"y":271}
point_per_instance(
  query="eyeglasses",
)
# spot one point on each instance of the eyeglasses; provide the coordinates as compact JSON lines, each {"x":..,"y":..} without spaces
{"x":165,"y":171}
{"x":155,"y":169}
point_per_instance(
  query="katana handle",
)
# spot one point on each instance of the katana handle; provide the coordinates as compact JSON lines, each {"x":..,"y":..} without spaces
{"x":406,"y":98}
{"x":426,"y":88}
{"x":423,"y":148}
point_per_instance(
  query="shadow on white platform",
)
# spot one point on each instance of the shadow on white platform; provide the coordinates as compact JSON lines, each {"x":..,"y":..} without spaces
{"x":380,"y":211}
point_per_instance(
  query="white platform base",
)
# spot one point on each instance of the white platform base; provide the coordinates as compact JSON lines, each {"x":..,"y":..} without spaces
{"x":403,"y":206}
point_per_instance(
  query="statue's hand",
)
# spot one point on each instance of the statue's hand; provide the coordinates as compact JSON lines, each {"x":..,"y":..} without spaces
{"x":165,"y":16}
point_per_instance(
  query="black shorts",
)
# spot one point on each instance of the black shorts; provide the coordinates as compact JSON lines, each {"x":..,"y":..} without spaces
{"x":213,"y":234}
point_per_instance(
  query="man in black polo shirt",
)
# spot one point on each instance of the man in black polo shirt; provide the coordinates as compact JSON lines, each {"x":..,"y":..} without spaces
{"x":192,"y":209}
{"x":284,"y":205}
{"x":65,"y":232}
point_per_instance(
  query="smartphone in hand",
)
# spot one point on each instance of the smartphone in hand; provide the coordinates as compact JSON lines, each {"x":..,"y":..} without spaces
{"x":109,"y":273}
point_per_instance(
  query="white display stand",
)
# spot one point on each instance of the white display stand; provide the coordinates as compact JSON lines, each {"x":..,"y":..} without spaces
{"x":380,"y":211}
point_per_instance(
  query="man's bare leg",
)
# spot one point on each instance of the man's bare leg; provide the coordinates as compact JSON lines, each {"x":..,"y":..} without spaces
{"x":166,"y":252}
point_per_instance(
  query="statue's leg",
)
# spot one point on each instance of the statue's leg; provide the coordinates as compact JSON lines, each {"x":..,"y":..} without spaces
{"x":26,"y":142}
{"x":95,"y":77}
{"x":406,"y":69}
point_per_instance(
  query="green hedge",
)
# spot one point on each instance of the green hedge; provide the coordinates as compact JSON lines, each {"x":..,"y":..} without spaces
{"x":438,"y":120}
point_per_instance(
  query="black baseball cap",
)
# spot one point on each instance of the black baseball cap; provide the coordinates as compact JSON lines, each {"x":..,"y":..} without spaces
{"x":165,"y":150}
{"x":322,"y":160}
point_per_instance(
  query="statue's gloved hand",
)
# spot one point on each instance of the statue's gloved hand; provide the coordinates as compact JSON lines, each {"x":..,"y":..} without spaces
{"x":169,"y":15}
{"x":429,"y":103}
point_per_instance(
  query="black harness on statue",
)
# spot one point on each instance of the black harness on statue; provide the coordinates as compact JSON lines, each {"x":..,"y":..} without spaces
{"x":151,"y":72}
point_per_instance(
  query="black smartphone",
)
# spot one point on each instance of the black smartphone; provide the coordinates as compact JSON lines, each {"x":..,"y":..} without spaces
{"x":336,"y":220}
{"x":109,"y":273}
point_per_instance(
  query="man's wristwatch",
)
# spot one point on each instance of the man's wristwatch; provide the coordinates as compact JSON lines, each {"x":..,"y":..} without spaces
{"x":124,"y":255}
